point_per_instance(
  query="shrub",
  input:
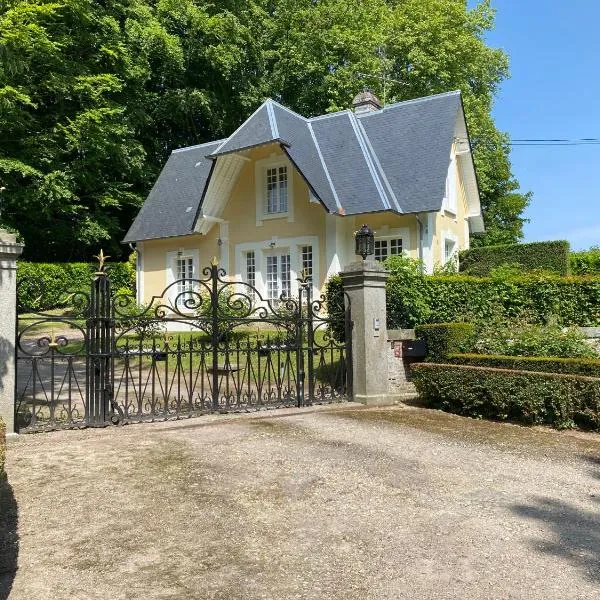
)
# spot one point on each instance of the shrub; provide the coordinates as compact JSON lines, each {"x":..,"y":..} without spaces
{"x":586,"y":262}
{"x":516,"y":337}
{"x":44,"y":286}
{"x":446,"y":338}
{"x":406,"y":302}
{"x":453,"y":298}
{"x":538,"y":256}
{"x":523,"y":396}
{"x":546,"y":364}
{"x":2,"y":447}
{"x":334,"y":304}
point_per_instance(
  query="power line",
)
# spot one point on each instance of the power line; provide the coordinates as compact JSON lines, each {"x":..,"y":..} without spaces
{"x":554,"y":142}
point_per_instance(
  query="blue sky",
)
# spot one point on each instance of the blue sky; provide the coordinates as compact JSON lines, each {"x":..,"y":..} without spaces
{"x":553,"y":92}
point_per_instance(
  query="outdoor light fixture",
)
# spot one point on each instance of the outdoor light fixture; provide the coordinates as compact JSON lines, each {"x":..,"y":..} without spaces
{"x":365,"y":241}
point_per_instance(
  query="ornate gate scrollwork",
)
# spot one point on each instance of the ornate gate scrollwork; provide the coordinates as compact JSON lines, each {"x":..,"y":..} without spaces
{"x":203,"y":345}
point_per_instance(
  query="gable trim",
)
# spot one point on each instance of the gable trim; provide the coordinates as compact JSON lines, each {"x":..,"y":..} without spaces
{"x":380,"y":168}
{"x":320,"y":154}
{"x":369,"y":162}
{"x":272,"y":120}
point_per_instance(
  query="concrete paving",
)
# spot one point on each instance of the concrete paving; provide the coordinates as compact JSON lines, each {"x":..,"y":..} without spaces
{"x":336,"y":503}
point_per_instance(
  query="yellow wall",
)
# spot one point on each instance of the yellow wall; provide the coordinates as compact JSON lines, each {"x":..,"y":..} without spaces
{"x":446,"y":221}
{"x":309,"y":219}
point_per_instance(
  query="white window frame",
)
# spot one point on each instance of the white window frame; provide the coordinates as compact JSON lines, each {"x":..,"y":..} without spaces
{"x":172,"y":275}
{"x":448,"y":236}
{"x":387,"y":234}
{"x":278,"y":246}
{"x":261,"y":168}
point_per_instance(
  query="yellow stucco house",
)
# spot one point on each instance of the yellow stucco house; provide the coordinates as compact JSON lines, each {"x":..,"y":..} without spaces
{"x":284,"y":193}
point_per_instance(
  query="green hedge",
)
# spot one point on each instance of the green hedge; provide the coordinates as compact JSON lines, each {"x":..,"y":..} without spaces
{"x":571,"y":301}
{"x":586,"y":262}
{"x":544,"y":256}
{"x":522,"y":396}
{"x":2,"y":447}
{"x":48,"y":285}
{"x":545,"y":364}
{"x":443,"y":339}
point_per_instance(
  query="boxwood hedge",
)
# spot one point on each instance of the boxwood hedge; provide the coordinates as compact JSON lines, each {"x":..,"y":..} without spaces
{"x":546,"y":364}
{"x":537,"y":256}
{"x":527,"y":397}
{"x":443,"y":339}
{"x":452,"y":298}
{"x":43,"y":286}
{"x":586,"y":262}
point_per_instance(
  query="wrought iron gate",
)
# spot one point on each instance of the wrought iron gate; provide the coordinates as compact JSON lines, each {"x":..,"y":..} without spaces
{"x":204,"y":345}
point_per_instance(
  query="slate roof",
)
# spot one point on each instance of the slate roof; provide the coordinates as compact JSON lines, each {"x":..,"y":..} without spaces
{"x":393,"y":159}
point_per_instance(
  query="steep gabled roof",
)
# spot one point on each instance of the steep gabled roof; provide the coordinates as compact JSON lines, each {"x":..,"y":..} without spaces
{"x":393,"y":159}
{"x":171,"y":206}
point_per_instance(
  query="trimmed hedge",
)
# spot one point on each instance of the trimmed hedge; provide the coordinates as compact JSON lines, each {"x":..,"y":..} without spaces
{"x":547,"y":364}
{"x":571,"y":301}
{"x":2,"y":447}
{"x":586,"y":262}
{"x":544,"y":256}
{"x":523,"y":396}
{"x":443,"y":339}
{"x":48,"y":285}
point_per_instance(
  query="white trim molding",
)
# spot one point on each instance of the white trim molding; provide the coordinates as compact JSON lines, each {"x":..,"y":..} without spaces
{"x":263,"y":248}
{"x":171,"y":257}
{"x":260,"y":183}
{"x":139,"y":273}
{"x":446,"y":236}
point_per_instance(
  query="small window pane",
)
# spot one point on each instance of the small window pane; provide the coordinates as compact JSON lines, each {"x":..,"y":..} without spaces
{"x":396,"y":247}
{"x":272,"y":277}
{"x":286,"y":279}
{"x":283,"y":199}
{"x":184,"y":272}
{"x":251,"y":268}
{"x":381,"y":250}
{"x":307,"y":261}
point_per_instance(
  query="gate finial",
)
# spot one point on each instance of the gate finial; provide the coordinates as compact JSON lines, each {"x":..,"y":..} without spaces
{"x":102,"y":258}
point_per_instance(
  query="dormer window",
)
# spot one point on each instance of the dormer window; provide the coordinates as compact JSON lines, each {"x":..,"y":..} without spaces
{"x":277,"y":190}
{"x":274,"y":187}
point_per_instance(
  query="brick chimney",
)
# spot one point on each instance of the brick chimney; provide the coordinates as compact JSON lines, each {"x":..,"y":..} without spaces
{"x":366,"y":101}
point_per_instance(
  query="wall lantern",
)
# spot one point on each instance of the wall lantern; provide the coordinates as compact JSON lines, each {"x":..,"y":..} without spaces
{"x":365,"y":241}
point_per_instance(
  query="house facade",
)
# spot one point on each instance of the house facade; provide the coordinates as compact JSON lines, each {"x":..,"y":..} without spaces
{"x":285,"y":194}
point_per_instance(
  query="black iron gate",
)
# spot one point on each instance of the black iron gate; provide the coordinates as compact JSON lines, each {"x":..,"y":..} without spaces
{"x":204,"y":345}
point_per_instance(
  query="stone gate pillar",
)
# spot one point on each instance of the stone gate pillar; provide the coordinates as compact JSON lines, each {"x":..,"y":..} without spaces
{"x":10,"y":250}
{"x":364,"y":282}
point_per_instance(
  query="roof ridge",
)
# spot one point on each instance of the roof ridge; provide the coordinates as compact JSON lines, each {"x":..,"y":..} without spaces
{"x":263,"y":105}
{"x":286,"y":109}
{"x":337,"y":113}
{"x":412,"y":101}
{"x":324,"y":165}
{"x":197,"y":146}
{"x":368,"y":159}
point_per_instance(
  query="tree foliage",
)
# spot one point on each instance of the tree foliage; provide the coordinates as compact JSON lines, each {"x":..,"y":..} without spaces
{"x":94,"y":95}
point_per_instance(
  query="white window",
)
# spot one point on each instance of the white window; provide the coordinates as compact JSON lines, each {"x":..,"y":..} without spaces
{"x":387,"y":247}
{"x":306,"y":258}
{"x":279,"y":279}
{"x":184,"y":274}
{"x":274,"y":189}
{"x":449,"y":249}
{"x":277,"y":188}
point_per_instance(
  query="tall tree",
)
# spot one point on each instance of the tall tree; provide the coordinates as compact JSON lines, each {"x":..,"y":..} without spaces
{"x":94,"y":95}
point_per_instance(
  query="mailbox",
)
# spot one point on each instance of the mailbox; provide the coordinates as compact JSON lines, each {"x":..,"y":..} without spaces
{"x":414,"y":348}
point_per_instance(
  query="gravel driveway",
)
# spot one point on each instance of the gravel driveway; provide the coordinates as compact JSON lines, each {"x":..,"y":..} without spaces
{"x":323,"y":503}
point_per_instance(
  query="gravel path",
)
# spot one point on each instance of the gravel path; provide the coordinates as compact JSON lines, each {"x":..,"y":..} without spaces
{"x":334,"y":503}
